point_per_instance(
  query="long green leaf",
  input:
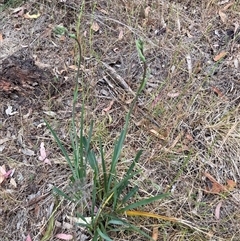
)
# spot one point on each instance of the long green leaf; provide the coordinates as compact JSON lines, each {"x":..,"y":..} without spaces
{"x":144,"y":202}
{"x":136,"y":159}
{"x":116,"y":154}
{"x":130,"y":194}
{"x":124,"y":182}
{"x":105,"y":182}
{"x":61,"y":193}
{"x":93,"y":162}
{"x":116,"y":222}
{"x":78,"y":170}
{"x":61,"y":146}
{"x":103,"y":235}
{"x":129,"y":173}
{"x":89,"y":137}
{"x":118,"y":149}
{"x":94,"y":195}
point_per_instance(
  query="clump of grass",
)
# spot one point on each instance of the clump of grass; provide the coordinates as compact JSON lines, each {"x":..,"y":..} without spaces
{"x":110,"y":195}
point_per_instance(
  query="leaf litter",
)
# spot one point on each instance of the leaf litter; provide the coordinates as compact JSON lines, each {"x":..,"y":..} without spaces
{"x":166,"y":165}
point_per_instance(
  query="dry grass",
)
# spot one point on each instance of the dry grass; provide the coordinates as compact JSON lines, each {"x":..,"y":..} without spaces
{"x":187,"y":121}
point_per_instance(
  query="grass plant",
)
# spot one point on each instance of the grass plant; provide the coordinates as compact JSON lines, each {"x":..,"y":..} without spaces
{"x":110,"y":196}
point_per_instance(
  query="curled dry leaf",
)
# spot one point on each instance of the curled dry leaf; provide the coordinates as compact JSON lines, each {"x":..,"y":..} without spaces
{"x":217,"y":211}
{"x":32,"y":16}
{"x":64,"y":236}
{"x":28,"y":238}
{"x":95,"y":27}
{"x":73,"y":67}
{"x":222,"y":13}
{"x":173,"y":95}
{"x":104,"y":11}
{"x":107,"y":109}
{"x":231,"y":185}
{"x":189,"y":63}
{"x":217,"y":91}
{"x":120,"y":35}
{"x":155,"y":233}
{"x":18,"y":12}
{"x":50,"y":113}
{"x":228,"y":6}
{"x":3,"y":174}
{"x":147,"y":11}
{"x":43,"y":154}
{"x":236,"y":63}
{"x":223,"y":16}
{"x":13,"y":182}
{"x":157,"y":134}
{"x":216,"y":188}
{"x":220,"y":56}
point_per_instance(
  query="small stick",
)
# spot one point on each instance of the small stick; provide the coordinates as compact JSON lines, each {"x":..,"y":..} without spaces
{"x":118,"y":78}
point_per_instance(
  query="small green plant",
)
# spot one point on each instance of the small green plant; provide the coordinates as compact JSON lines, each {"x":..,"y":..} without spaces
{"x":110,"y":196}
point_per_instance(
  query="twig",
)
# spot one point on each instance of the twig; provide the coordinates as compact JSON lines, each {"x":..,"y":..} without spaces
{"x":112,"y":72}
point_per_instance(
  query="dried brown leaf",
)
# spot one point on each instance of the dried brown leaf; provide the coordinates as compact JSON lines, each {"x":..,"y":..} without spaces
{"x":173,"y":95}
{"x":217,"y":211}
{"x":73,"y":67}
{"x":217,"y":91}
{"x":18,"y":12}
{"x":231,"y":185}
{"x":223,"y":16}
{"x":107,"y":109}
{"x":31,"y":16}
{"x":220,"y":56}
{"x":120,"y":35}
{"x":64,"y":236}
{"x":13,"y":182}
{"x":147,"y":11}
{"x":4,"y":174}
{"x":189,"y":63}
{"x":104,"y":11}
{"x":215,"y":187}
{"x":228,"y":6}
{"x":189,"y":137}
{"x":155,"y":233}
{"x":157,"y":134}
{"x":95,"y":27}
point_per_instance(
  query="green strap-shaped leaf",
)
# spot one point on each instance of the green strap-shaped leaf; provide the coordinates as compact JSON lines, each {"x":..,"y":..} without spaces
{"x":144,"y":202}
{"x":103,"y":235}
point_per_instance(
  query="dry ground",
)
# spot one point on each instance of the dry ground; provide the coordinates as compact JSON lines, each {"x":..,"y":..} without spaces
{"x":187,"y":120}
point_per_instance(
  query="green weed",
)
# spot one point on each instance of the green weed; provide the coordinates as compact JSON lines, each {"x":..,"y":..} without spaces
{"x":110,"y":195}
